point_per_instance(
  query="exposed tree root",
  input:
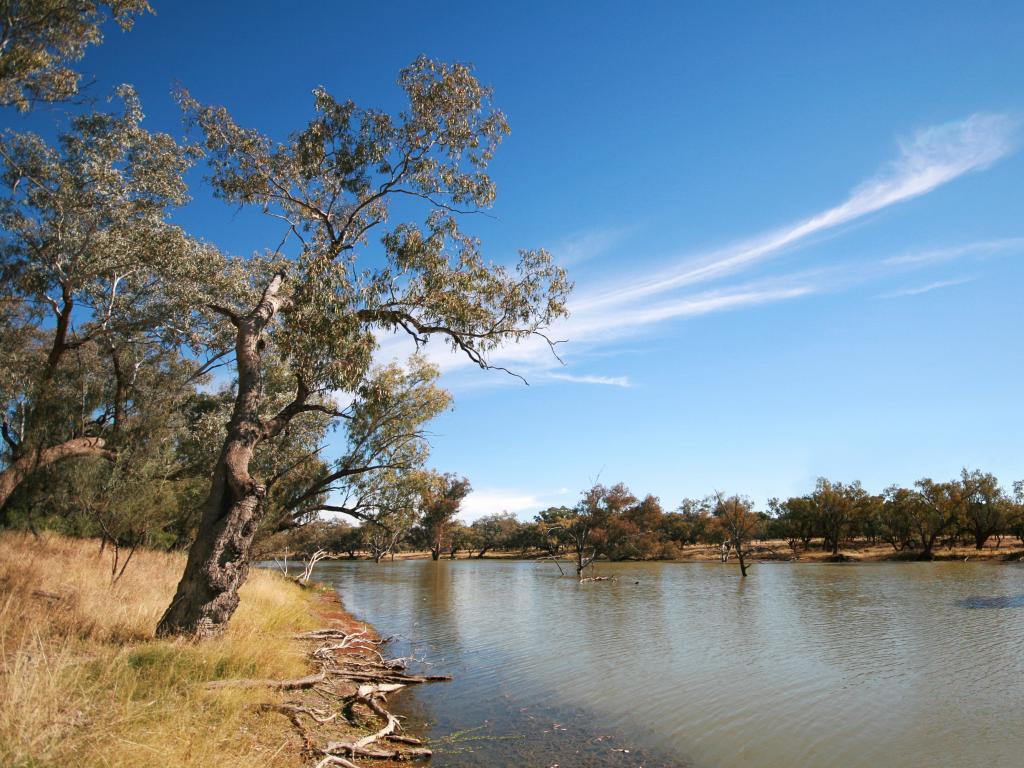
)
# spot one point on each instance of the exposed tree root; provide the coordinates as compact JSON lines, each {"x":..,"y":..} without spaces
{"x":318,"y":715}
{"x":354,"y":675}
{"x":335,"y":760}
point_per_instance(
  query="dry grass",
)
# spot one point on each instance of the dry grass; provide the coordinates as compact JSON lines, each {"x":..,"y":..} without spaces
{"x":83,"y":682}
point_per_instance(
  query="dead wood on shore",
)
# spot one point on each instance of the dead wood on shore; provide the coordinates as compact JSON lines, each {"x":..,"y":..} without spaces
{"x":349,"y":689}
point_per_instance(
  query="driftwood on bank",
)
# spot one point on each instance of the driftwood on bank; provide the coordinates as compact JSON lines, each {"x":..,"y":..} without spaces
{"x":357,"y":679}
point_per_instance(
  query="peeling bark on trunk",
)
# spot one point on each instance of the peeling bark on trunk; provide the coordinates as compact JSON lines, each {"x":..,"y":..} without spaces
{"x":20,"y":469}
{"x":218,"y":561}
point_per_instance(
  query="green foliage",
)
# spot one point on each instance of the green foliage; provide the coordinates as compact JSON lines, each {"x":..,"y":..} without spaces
{"x":495,"y":531}
{"x":39,"y":37}
{"x":333,"y":183}
{"x":442,"y":498}
{"x":89,"y":262}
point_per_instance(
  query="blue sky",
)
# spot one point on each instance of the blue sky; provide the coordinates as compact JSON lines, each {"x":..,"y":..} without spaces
{"x":796,"y":229}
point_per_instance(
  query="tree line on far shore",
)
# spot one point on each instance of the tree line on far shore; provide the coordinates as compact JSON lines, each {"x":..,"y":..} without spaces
{"x":611,"y":523}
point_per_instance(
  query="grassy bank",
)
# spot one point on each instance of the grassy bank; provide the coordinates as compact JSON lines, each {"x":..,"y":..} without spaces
{"x":83,"y":681}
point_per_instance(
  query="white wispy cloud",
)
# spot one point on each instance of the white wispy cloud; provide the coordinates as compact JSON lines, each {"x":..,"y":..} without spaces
{"x":925,"y":288}
{"x":624,"y":306}
{"x":939,"y":255}
{"x":609,"y":381}
{"x":630,"y":317}
{"x":932,"y":157}
{"x":591,"y":244}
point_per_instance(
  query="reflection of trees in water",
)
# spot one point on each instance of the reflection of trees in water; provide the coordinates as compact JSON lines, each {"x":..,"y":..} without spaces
{"x":1003,"y":601}
{"x":437,"y":618}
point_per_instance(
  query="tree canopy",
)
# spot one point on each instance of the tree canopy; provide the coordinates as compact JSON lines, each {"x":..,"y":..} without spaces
{"x":39,"y":38}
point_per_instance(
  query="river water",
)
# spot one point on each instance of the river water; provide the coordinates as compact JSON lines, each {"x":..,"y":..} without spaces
{"x":685,"y":664}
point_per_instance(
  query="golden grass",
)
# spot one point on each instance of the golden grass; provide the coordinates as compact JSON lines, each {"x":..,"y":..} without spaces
{"x":83,"y":681}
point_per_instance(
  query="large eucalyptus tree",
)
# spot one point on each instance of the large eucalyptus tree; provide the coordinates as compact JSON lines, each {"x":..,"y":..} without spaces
{"x":320,"y":297}
{"x":91,"y":269}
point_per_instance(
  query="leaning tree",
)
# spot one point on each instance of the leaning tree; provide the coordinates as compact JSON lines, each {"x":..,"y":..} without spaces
{"x":343,"y":273}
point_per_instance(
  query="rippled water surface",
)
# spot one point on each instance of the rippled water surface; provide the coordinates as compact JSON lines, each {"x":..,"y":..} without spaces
{"x":910,"y":664}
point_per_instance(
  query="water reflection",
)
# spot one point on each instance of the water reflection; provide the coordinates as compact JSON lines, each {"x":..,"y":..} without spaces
{"x":684,"y":664}
{"x":1002,"y":601}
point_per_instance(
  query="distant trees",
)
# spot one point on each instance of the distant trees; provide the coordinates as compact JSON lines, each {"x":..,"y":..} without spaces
{"x":936,"y":511}
{"x":437,"y":524}
{"x":494,"y":531}
{"x":985,"y":506}
{"x":639,"y":532}
{"x":899,"y":515}
{"x":585,"y":529}
{"x":796,"y":520}
{"x":971,"y":507}
{"x":611,"y":523}
{"x":837,"y":506}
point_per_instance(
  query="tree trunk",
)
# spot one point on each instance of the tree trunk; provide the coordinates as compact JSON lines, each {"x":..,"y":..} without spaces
{"x":218,"y":561}
{"x":926,"y":548}
{"x":20,"y":469}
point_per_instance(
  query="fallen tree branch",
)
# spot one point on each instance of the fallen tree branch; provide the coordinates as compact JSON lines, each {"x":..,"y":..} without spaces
{"x":347,"y":659}
{"x":371,"y":696}
{"x":318,"y":715}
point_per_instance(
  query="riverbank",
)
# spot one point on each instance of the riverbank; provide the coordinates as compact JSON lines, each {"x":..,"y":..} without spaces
{"x":778,"y":550}
{"x":83,"y":681}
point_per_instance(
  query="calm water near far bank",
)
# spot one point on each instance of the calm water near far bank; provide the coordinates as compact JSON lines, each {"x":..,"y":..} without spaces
{"x":889,"y":664}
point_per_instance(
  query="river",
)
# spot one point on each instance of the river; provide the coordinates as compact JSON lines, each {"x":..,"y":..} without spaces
{"x":685,"y":664}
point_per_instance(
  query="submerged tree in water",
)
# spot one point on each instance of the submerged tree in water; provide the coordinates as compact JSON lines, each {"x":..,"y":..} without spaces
{"x":739,"y":524}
